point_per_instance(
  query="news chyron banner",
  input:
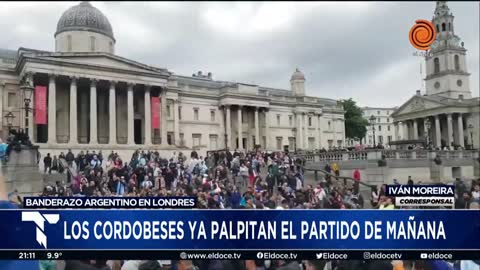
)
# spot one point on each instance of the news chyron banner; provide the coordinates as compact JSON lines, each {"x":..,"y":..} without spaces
{"x":249,"y":234}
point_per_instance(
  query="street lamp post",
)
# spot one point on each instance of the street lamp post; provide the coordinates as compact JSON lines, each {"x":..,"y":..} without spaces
{"x":470,"y":129}
{"x":27,"y":89}
{"x":428,"y":125}
{"x":9,"y":116}
{"x":372,"y":123}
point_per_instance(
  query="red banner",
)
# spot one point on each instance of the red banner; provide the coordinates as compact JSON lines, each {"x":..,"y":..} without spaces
{"x":155,"y":112}
{"x":40,"y":105}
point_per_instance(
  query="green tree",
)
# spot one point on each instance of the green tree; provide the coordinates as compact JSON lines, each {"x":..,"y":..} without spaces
{"x":355,"y":124}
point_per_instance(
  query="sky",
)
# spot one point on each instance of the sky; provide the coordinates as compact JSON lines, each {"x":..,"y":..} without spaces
{"x":356,"y":50}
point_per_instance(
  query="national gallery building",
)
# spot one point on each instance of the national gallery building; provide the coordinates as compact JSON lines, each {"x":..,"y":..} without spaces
{"x":85,"y":97}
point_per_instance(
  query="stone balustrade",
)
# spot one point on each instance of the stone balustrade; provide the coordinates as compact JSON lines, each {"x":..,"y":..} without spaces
{"x":390,"y":155}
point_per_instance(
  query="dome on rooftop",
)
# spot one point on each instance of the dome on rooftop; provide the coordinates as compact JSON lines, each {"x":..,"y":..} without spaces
{"x":84,"y":17}
{"x":297,"y":75}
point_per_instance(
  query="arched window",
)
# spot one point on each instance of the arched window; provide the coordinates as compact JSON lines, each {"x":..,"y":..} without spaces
{"x":443,"y":27}
{"x":457,"y":62}
{"x":69,"y":43}
{"x":436,"y":65}
{"x":92,"y":44}
{"x":449,"y":27}
{"x":438,"y":29}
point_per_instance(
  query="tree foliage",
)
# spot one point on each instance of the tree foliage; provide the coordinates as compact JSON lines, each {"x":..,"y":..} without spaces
{"x":355,"y":124}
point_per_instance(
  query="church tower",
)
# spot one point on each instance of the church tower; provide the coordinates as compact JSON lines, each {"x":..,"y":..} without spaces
{"x":445,"y":62}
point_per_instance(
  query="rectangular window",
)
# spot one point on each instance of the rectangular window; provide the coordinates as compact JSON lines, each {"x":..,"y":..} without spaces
{"x":92,"y":44}
{"x":12,"y":100}
{"x":168,"y":111}
{"x":170,"y":138}
{"x":212,"y":115}
{"x":278,"y":119}
{"x":196,"y":139}
{"x":195,"y":114}
{"x":388,"y":127}
{"x":378,"y":119}
{"x":179,"y":112}
{"x":329,"y":126}
{"x":290,"y":120}
{"x":378,"y":112}
{"x":213,"y":142}
{"x":380,"y":139}
{"x":311,"y":143}
{"x":388,"y":120}
{"x":182,"y":139}
{"x":279,"y":143}
{"x":389,"y":138}
{"x":379,"y":128}
{"x":310,"y":122}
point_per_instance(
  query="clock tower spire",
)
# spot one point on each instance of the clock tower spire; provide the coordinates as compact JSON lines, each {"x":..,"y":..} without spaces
{"x":445,"y":62}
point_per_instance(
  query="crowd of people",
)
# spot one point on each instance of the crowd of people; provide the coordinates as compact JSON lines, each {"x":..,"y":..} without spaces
{"x":219,"y":180}
{"x":222,"y":179}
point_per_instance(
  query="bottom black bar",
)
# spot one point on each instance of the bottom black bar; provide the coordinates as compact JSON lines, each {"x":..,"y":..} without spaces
{"x":238,"y":255}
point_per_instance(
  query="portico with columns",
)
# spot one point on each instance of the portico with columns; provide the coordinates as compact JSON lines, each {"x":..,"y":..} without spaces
{"x":452,"y":123}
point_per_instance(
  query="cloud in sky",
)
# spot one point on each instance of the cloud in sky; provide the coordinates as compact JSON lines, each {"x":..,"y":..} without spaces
{"x":346,"y":49}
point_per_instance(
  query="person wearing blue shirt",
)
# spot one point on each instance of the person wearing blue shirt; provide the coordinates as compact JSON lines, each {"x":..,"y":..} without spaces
{"x":13,"y":264}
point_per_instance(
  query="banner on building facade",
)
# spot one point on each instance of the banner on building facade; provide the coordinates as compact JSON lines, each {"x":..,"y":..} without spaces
{"x":40,"y":105}
{"x":155,"y":112}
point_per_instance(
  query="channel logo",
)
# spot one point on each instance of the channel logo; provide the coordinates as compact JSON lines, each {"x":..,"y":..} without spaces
{"x":39,"y":220}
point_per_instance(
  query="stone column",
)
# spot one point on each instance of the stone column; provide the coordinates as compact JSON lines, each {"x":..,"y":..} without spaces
{"x":176,"y":124}
{"x":299,"y":130}
{"x":305,"y":134}
{"x":228,"y":128}
{"x":239,"y":116}
{"x":52,"y":110}
{"x":267,"y":129}
{"x":112,"y":107}
{"x":148,"y":117}
{"x":163,"y":115}
{"x":415,"y":129}
{"x":93,"y":112}
{"x":130,"y":135}
{"x":73,"y":111}
{"x":30,"y":114}
{"x":257,"y":128}
{"x":406,"y":133}
{"x":460,"y":131}
{"x":449,"y":130}
{"x":438,"y":134}
{"x":317,"y":126}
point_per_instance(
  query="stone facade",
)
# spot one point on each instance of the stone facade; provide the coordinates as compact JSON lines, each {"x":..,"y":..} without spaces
{"x":98,"y":100}
{"x":384,"y":128}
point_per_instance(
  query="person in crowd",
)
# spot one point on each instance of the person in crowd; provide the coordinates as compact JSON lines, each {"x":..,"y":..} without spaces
{"x":47,"y":163}
{"x":356,"y":178}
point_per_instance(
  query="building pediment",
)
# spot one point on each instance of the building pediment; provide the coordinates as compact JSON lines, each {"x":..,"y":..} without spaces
{"x":416,"y":104}
{"x":100,"y":60}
